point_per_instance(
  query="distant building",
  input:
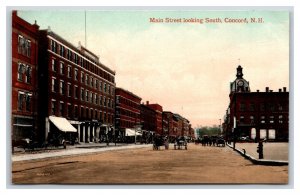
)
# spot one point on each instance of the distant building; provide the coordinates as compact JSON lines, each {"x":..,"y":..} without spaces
{"x":258,"y":115}
{"x":74,"y":85}
{"x":24,"y":79}
{"x":127,"y":111}
{"x":158,"y":117}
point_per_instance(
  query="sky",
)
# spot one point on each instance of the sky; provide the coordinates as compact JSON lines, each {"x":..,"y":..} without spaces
{"x":185,"y":67}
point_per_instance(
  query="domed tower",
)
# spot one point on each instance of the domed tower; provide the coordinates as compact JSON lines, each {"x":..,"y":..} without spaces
{"x":239,"y":84}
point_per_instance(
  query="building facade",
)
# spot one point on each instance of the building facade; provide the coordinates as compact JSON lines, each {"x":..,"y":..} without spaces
{"x":24,"y":80}
{"x":74,"y":85}
{"x":127,"y":111}
{"x":158,"y":117}
{"x":256,"y":115}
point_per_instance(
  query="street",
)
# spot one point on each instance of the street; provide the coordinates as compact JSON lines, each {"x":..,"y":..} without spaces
{"x":197,"y":165}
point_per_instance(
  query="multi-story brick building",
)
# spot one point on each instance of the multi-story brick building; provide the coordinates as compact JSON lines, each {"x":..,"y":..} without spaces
{"x":258,"y":115}
{"x":127,"y":112}
{"x":24,"y":80}
{"x":158,"y":117}
{"x":75,"y":87}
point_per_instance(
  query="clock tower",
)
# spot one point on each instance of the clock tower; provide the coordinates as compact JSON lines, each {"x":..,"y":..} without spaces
{"x":239,"y":84}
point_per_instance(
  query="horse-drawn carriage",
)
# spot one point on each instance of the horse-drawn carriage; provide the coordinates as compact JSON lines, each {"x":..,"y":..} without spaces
{"x":180,"y":143}
{"x":220,"y":141}
{"x":160,"y":141}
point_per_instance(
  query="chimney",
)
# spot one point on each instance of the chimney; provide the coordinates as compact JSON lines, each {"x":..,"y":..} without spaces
{"x":271,"y":90}
{"x":147,"y":102}
{"x":284,"y":89}
{"x":267,"y":89}
{"x":279,"y":90}
{"x":257,"y":90}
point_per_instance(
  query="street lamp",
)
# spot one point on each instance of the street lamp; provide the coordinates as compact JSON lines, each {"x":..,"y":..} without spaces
{"x":220,"y":125}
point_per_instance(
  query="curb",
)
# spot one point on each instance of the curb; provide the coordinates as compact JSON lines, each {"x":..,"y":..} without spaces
{"x":74,"y":153}
{"x":259,"y":161}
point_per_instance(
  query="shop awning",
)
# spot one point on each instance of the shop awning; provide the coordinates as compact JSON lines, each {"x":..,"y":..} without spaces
{"x":131,"y":132}
{"x":62,"y":124}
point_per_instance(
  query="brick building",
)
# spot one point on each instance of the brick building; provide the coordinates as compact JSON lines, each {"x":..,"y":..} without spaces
{"x":24,"y":80}
{"x":258,"y":115}
{"x":158,"y":117}
{"x":148,"y":118}
{"x":127,"y":112}
{"x":75,"y":88}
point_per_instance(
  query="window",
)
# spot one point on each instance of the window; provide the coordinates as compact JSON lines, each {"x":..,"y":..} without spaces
{"x":271,"y":107}
{"x":100,"y":86}
{"x":280,"y":108}
{"x":262,"y":119}
{"x":96,"y":99}
{"x":76,"y":92}
{"x":53,"y":46}
{"x":104,"y":87}
{"x":28,"y":74}
{"x":28,"y":48}
{"x":69,"y":54}
{"x":53,"y":84}
{"x":96,"y":83}
{"x":24,"y":46}
{"x":280,"y":119}
{"x":100,"y":100}
{"x":108,"y":89}
{"x":53,"y":107}
{"x":82,"y":94}
{"x":54,"y":66}
{"x":104,"y":101}
{"x":87,"y":79}
{"x":75,"y":111}
{"x":81,"y":111}
{"x":91,"y":97}
{"x":69,"y":90}
{"x":117,"y":99}
{"x":69,"y":71}
{"x":271,"y":119}
{"x":252,"y":120}
{"x":69,"y":110}
{"x":262,"y":107}
{"x":112,"y":91}
{"x":21,"y":71}
{"x":92,"y":113}
{"x":61,"y":50}
{"x":87,"y":95}
{"x":87,"y":113}
{"x":61,"y":87}
{"x":96,"y":114}
{"x":82,"y":77}
{"x":21,"y":96}
{"x":62,"y":68}
{"x":242,"y":106}
{"x":28,"y":101}
{"x":75,"y":58}
{"x":61,"y":108}
{"x":108,"y":102}
{"x":20,"y":43}
{"x":92,"y":82}
{"x":76,"y":75}
{"x":242,"y":119}
{"x":252,"y":107}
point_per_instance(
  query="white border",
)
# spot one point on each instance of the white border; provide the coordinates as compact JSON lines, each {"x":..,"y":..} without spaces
{"x":6,"y":80}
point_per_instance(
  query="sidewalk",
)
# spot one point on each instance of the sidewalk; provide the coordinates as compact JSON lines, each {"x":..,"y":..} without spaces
{"x":274,"y":153}
{"x":78,"y":149}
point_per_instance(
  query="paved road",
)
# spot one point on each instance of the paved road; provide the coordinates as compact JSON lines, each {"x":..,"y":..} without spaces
{"x":197,"y":165}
